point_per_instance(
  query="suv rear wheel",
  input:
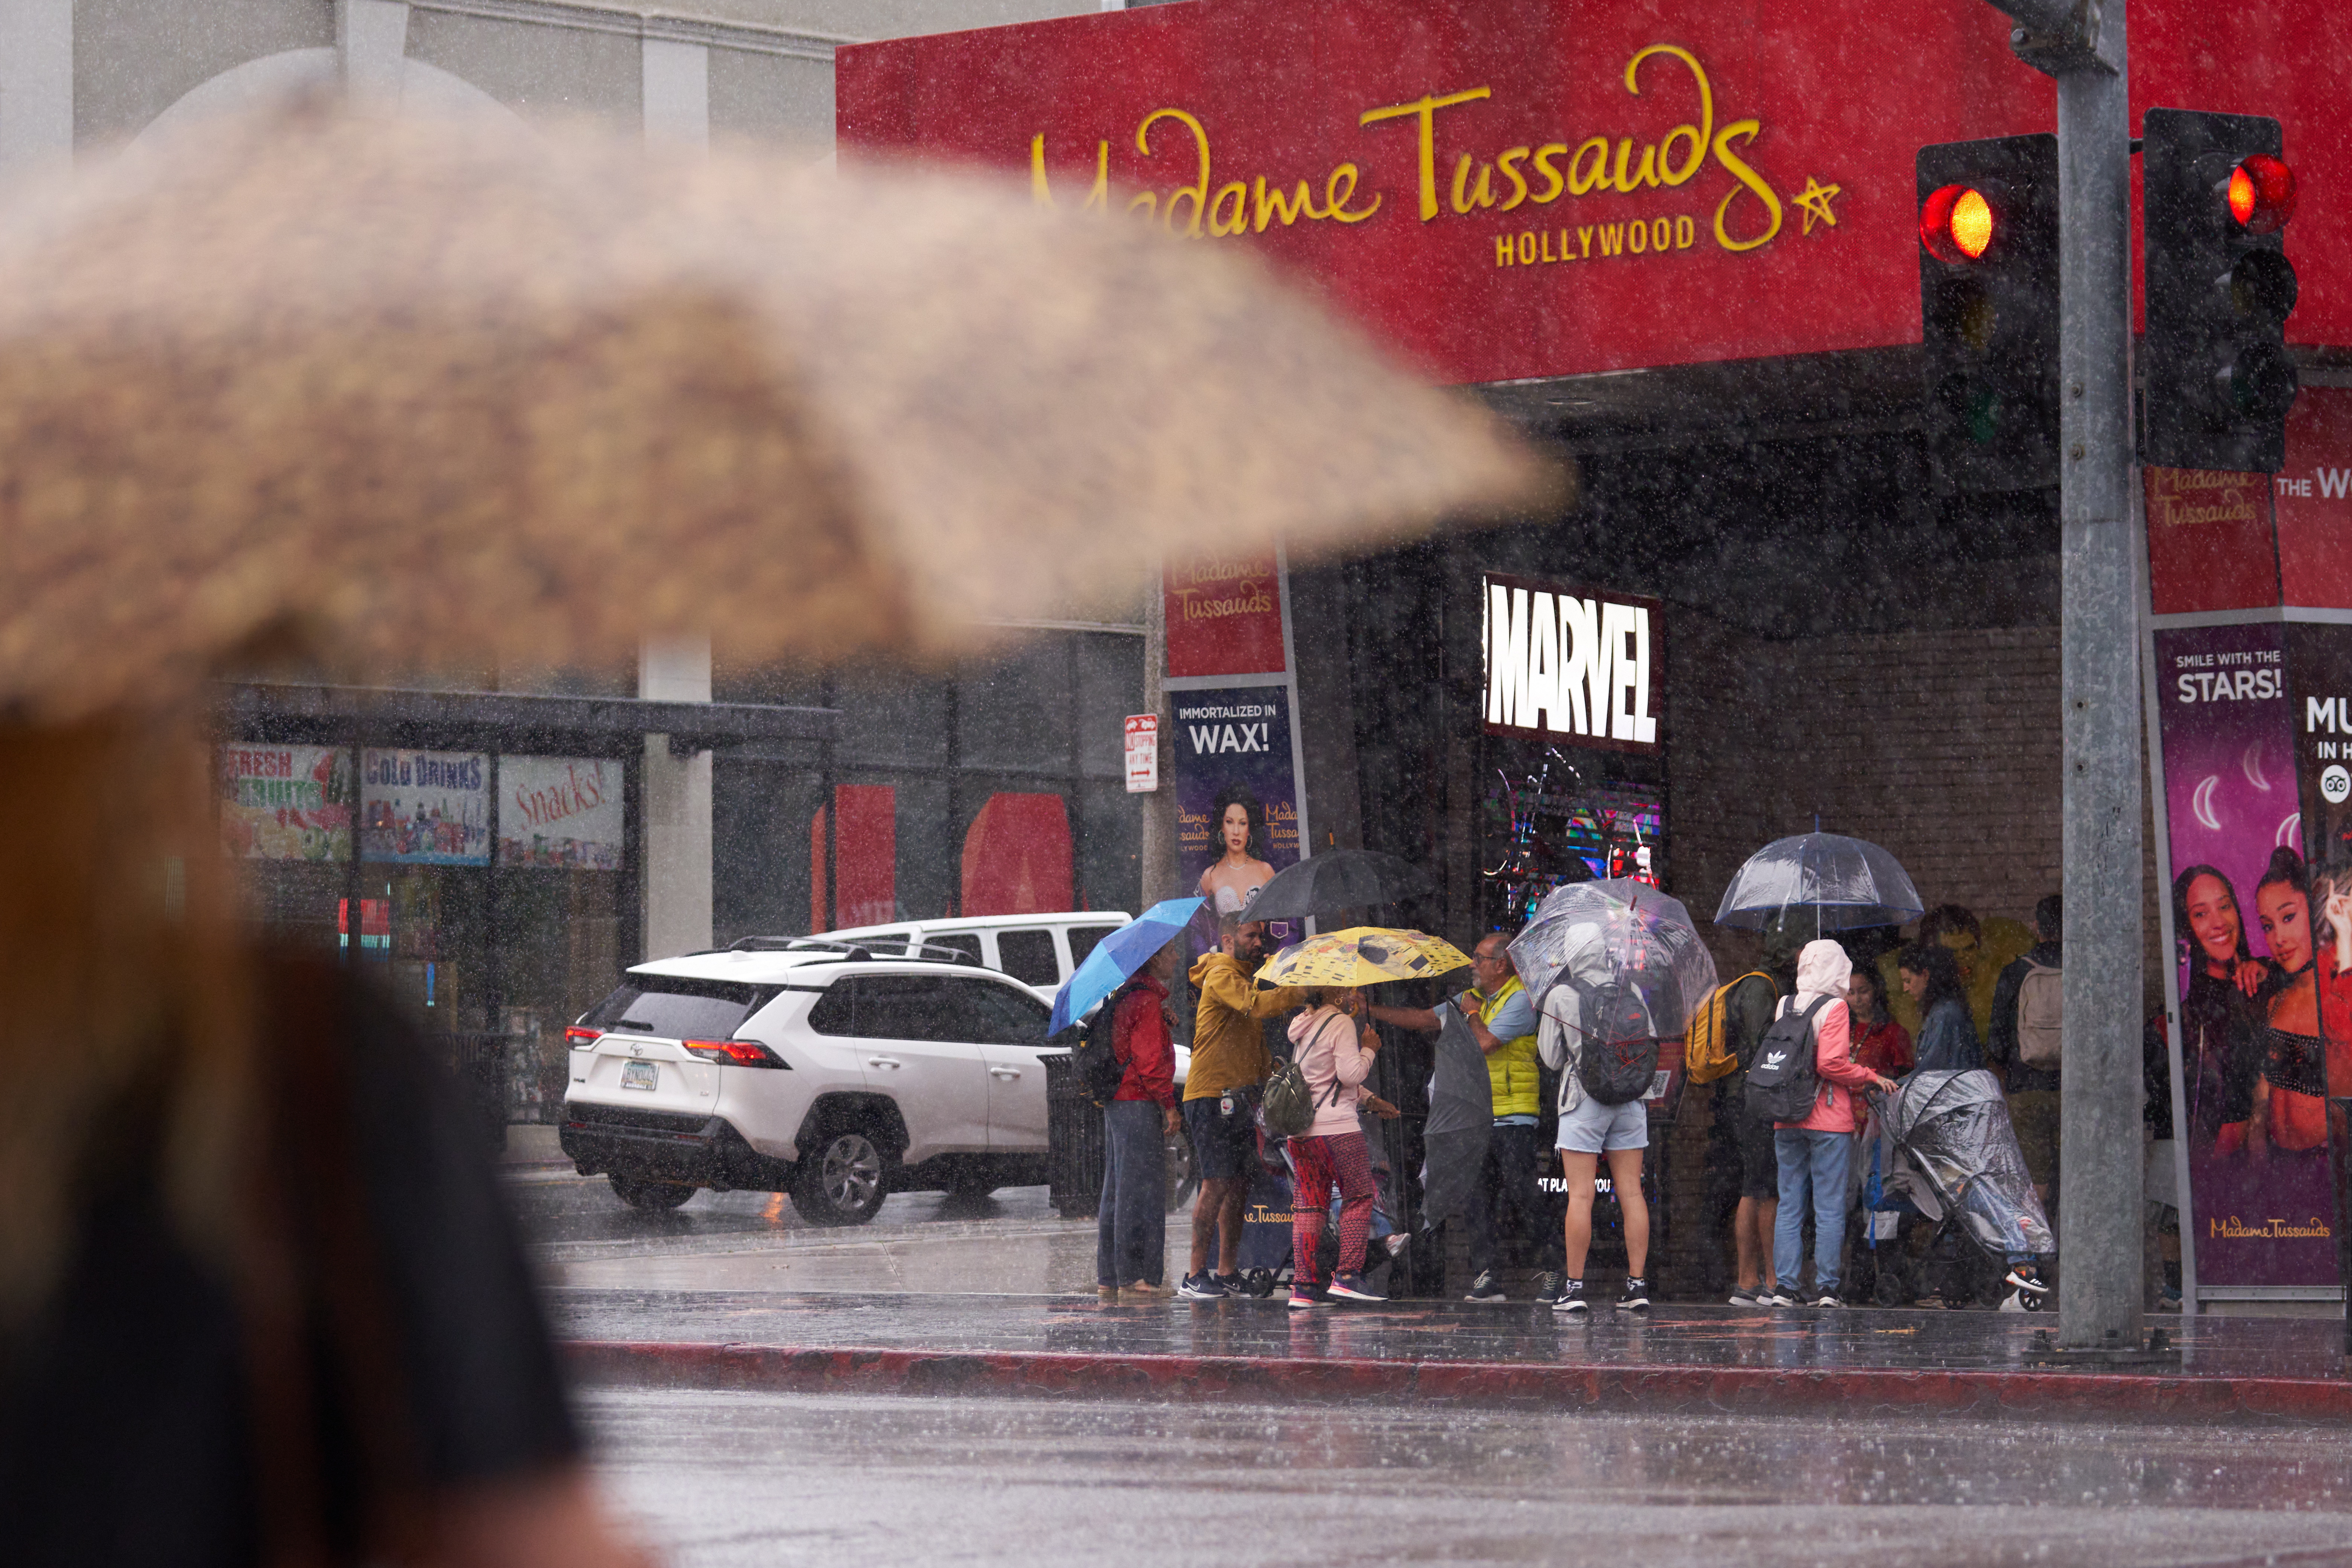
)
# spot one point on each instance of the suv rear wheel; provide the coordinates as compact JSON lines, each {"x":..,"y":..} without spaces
{"x":839,"y":1180}
{"x":639,"y":1193}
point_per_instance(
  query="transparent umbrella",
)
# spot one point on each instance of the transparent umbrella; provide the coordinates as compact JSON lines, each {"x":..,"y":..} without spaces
{"x":1623,"y":926}
{"x":1842,"y":884}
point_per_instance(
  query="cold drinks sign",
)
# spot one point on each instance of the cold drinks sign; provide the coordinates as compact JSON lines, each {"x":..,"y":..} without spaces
{"x":1573,"y":665}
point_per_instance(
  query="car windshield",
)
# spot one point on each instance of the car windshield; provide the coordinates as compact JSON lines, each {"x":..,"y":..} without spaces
{"x":678,"y":1010}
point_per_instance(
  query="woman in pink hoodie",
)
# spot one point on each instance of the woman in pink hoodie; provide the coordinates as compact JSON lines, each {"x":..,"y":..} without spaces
{"x":1814,"y":1153}
{"x":1334,"y":1043}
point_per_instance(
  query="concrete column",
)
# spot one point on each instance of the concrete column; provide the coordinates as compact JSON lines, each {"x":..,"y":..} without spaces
{"x":37,"y":107}
{"x":372,"y":38}
{"x":676,"y":805}
{"x":677,"y":83}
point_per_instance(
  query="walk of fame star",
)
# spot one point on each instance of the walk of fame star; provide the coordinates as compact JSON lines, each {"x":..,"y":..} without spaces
{"x":1815,"y":199}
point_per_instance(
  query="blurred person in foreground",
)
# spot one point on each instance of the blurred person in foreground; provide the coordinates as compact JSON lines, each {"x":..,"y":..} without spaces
{"x":1230,"y":1061}
{"x":1131,"y":1223}
{"x":259,"y":1300}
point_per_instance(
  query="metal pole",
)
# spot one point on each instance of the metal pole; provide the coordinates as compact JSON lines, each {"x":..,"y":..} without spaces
{"x":2099,"y":1199}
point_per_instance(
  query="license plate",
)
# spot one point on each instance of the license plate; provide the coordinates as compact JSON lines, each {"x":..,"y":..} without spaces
{"x":640,"y":1075}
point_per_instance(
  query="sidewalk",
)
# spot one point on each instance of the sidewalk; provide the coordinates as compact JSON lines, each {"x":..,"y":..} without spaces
{"x":1679,"y":1360}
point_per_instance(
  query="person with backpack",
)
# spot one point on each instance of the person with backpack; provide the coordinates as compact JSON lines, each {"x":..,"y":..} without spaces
{"x":1805,"y":1079}
{"x":1598,"y":1035}
{"x":2028,"y":1007}
{"x":1229,"y":1062}
{"x":1333,"y":1044}
{"x":1131,"y":1223}
{"x":1501,"y":1016}
{"x":1743,"y":1171}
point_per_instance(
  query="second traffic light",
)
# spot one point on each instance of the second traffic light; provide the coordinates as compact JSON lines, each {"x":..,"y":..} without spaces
{"x":2216,"y":376}
{"x":1989,"y":310}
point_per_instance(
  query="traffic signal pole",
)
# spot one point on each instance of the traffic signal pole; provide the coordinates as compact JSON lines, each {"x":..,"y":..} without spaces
{"x":2081,"y":43}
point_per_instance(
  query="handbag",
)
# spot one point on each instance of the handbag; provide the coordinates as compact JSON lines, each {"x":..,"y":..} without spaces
{"x":1287,"y":1107}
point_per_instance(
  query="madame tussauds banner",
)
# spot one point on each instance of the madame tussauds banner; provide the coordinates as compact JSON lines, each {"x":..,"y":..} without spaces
{"x":2262,"y":960}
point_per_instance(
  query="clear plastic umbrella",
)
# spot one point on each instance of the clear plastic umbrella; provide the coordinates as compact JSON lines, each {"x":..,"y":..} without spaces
{"x":1842,"y":884}
{"x":1645,"y":936}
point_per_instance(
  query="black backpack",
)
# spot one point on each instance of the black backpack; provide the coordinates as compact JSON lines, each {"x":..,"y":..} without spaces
{"x":1784,"y":1082}
{"x":1095,"y":1061}
{"x":1620,"y":1056}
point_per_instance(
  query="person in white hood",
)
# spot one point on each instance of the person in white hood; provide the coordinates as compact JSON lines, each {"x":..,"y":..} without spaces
{"x":1591,"y":1132}
{"x":1814,"y":1153}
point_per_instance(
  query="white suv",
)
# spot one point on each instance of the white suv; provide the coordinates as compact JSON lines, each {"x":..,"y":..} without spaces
{"x":805,"y":1067}
{"x":1039,"y":951}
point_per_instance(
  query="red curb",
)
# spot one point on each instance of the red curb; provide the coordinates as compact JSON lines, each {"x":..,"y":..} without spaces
{"x":1632,"y":1388}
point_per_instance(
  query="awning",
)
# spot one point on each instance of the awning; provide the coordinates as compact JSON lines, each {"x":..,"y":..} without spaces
{"x":510,"y":720}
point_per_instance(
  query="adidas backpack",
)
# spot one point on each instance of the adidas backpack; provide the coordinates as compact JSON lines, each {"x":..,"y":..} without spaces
{"x":1784,"y":1079}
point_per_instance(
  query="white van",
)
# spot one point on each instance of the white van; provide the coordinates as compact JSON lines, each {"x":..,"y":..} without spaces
{"x":1039,"y":951}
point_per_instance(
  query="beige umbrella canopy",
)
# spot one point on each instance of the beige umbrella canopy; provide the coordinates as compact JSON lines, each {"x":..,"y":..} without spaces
{"x":424,"y":396}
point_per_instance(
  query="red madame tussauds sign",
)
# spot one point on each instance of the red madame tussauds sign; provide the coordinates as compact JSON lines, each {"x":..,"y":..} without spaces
{"x":1509,"y":189}
{"x":1524,"y":188}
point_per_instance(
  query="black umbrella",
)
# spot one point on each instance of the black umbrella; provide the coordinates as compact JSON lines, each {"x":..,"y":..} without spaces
{"x":1337,"y":879}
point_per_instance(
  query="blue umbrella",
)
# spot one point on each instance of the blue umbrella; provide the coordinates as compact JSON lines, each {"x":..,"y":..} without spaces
{"x":1117,"y":956}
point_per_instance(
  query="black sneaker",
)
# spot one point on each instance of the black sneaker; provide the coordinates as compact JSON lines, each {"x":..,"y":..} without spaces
{"x":1235,"y":1285}
{"x":1201,"y":1288}
{"x":1571,"y":1298}
{"x":1484,"y":1288}
{"x":1635,"y":1296}
{"x":1827,"y":1298}
{"x":1548,"y":1286}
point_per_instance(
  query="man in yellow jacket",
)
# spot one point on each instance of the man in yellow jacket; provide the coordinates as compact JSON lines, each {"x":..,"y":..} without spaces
{"x":1229,"y":1062}
{"x":1502,"y":1019}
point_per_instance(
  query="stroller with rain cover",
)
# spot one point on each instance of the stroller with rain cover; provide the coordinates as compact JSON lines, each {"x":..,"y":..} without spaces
{"x":1957,"y":1163}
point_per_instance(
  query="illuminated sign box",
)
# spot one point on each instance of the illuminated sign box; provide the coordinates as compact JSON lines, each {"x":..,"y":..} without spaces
{"x":1573,"y":665}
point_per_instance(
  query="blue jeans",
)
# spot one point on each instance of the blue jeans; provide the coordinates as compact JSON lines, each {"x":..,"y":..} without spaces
{"x":1811,"y":1163}
{"x":1131,"y":1226}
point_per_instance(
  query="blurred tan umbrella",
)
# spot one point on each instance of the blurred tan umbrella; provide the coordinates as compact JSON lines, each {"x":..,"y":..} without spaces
{"x":420,"y":396}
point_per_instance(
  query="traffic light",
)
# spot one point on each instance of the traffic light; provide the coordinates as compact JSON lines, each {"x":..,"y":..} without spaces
{"x":2216,"y":377}
{"x":1989,"y":310}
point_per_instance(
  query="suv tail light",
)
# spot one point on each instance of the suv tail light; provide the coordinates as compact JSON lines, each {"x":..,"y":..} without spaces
{"x":736,"y":1053}
{"x":575,"y":1036}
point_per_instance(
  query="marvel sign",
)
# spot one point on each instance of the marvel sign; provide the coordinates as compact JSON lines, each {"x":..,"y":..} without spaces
{"x":1574,"y":665}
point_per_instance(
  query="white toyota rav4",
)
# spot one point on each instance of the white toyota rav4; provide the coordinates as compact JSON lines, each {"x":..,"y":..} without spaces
{"x":806,"y":1069}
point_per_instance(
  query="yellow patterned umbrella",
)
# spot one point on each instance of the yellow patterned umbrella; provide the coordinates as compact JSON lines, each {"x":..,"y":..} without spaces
{"x":1363,"y":955}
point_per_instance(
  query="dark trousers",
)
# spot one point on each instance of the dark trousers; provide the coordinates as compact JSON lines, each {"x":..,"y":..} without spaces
{"x":1131,"y":1226}
{"x":1509,"y":1203}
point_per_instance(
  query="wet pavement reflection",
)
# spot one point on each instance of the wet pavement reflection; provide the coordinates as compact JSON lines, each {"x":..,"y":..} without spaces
{"x":1794,"y":1340}
{"x":726,"y":1478}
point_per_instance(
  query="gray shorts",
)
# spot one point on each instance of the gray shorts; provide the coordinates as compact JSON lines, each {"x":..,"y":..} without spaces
{"x":1593,"y":1128}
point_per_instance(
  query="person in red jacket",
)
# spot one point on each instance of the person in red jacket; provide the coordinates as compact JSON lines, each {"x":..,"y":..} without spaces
{"x":1131,"y":1225}
{"x":1814,"y":1153}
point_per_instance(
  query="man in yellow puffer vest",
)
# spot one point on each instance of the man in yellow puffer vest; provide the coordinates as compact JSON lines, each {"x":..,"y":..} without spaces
{"x":1502,"y":1019}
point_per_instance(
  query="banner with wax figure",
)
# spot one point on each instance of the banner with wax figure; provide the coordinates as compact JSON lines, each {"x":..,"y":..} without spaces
{"x":1236,"y":796}
{"x":2260,"y":1192}
{"x":2319,"y":668}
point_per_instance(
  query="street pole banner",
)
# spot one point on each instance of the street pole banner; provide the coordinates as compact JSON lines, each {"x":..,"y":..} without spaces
{"x":2319,"y":665}
{"x":1236,"y":795}
{"x":2244,"y":911}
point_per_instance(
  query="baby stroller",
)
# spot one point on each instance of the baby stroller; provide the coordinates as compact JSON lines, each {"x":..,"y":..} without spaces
{"x":1959,"y":1166}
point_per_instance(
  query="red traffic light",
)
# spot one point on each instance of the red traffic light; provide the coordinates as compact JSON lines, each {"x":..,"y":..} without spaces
{"x":1955,"y":224}
{"x":2262,"y":194}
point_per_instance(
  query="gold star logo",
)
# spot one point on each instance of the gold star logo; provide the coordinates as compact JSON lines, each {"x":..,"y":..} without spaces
{"x":1815,"y":199}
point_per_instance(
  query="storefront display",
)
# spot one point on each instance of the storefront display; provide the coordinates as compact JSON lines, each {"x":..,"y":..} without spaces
{"x":425,"y":808}
{"x":286,"y":803}
{"x":559,"y":811}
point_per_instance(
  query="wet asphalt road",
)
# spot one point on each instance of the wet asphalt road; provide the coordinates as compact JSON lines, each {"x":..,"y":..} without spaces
{"x":721,"y":1479}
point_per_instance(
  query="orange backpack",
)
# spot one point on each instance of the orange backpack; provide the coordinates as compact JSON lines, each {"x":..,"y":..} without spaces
{"x":1708,"y":1054}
